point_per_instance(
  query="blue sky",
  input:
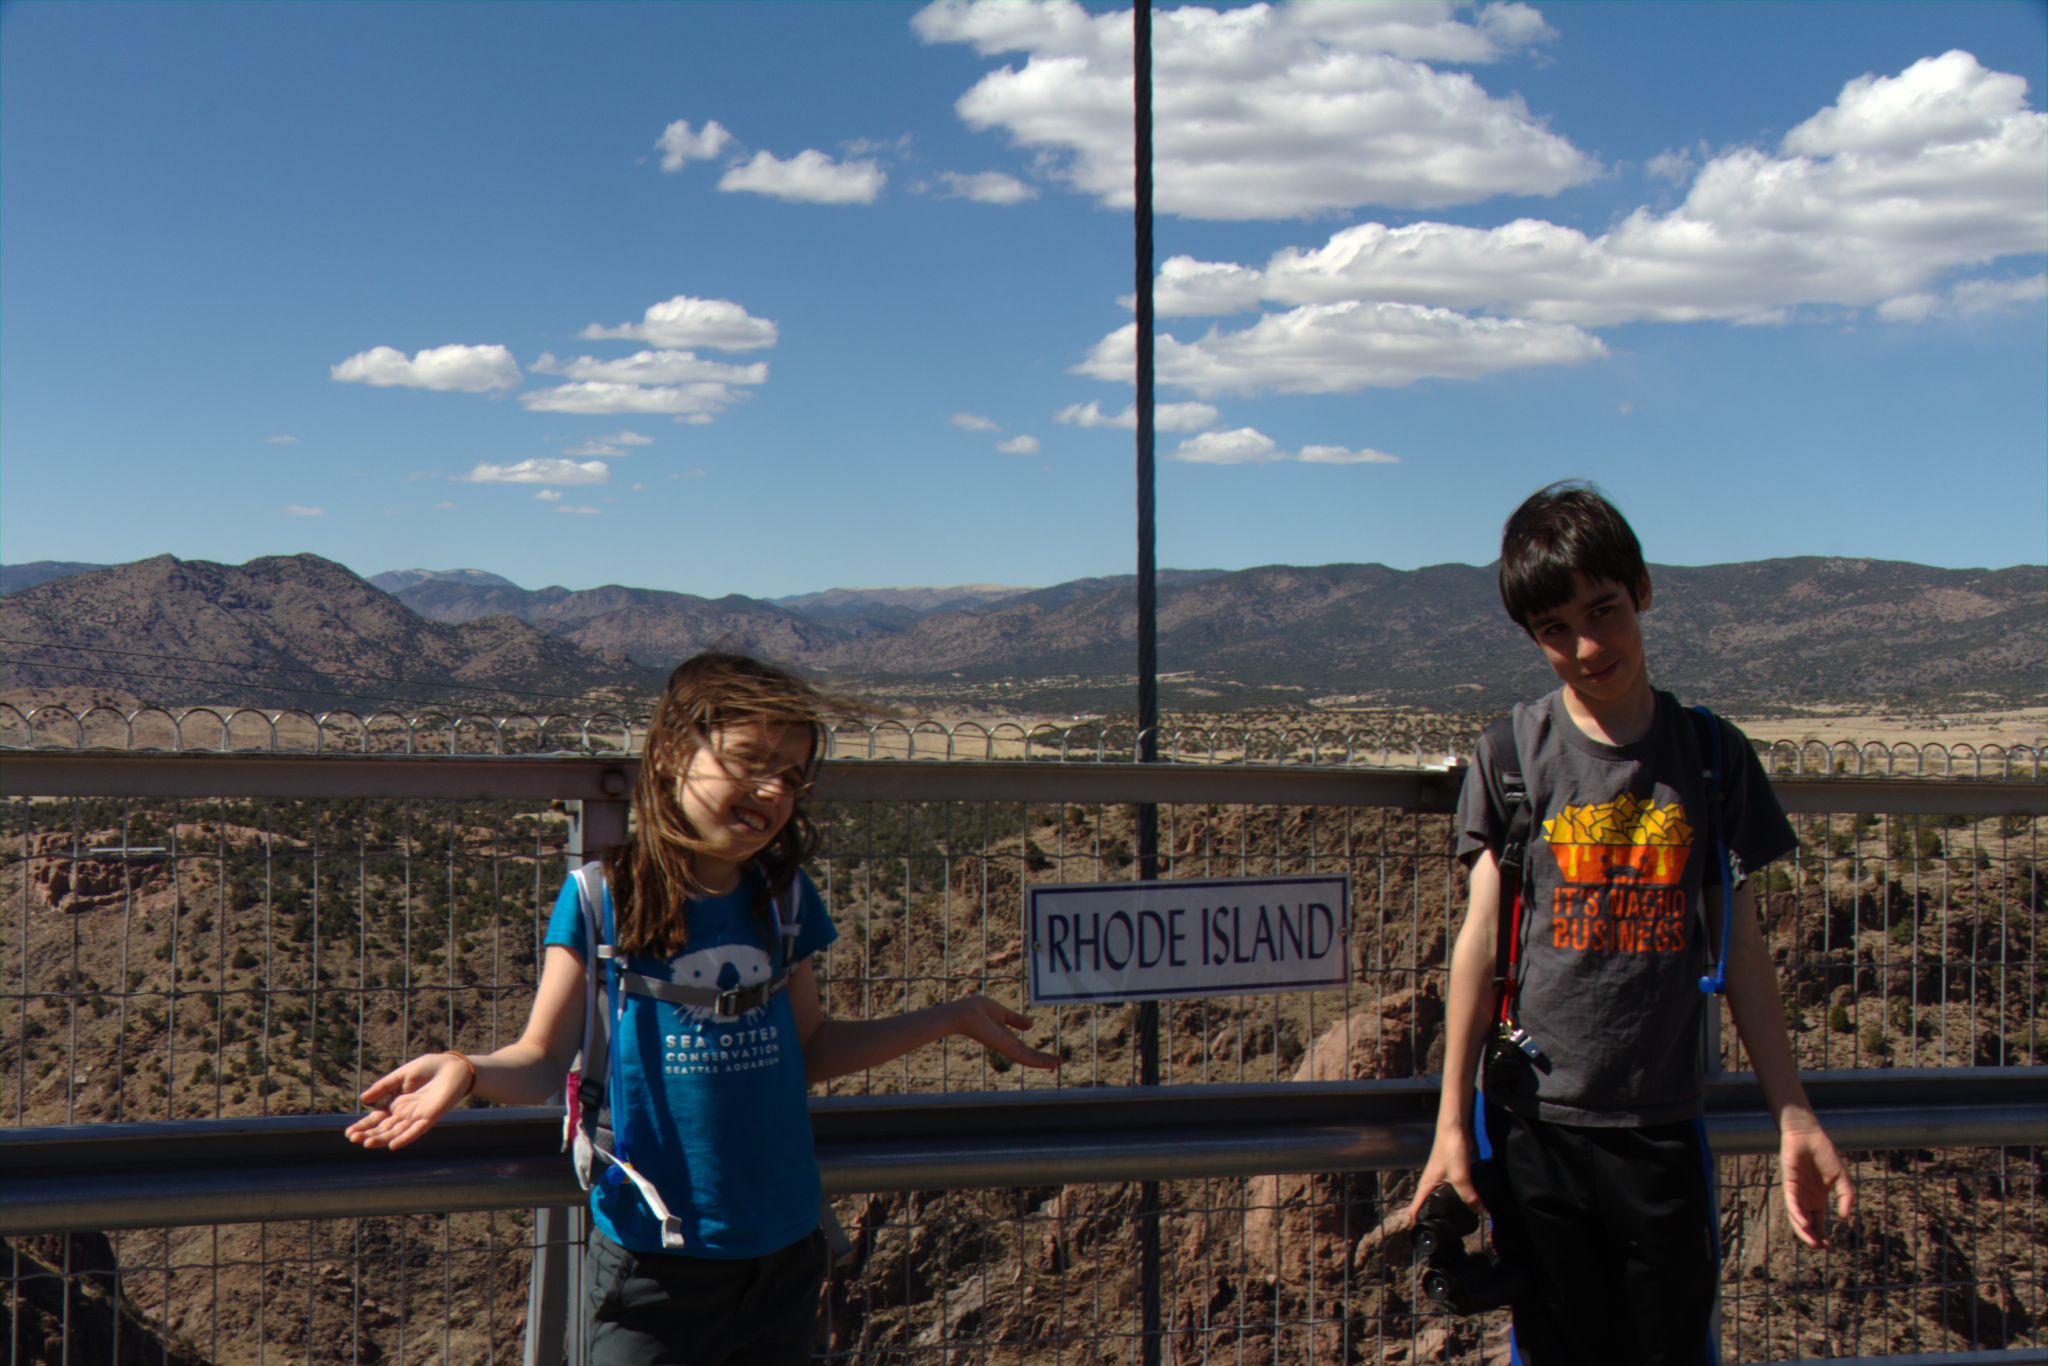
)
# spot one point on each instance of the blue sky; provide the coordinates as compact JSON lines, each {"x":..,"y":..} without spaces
{"x":767,"y":298}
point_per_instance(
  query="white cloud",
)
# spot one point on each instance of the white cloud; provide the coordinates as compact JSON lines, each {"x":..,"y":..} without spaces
{"x":613,"y":444}
{"x":1872,"y":201}
{"x":1177,"y":417}
{"x":1019,"y":445}
{"x":973,"y":422}
{"x":1186,"y":286}
{"x":653,"y":368}
{"x":280,"y":441}
{"x":447,"y":507}
{"x":680,"y":146}
{"x":1968,"y":297}
{"x":1090,"y":414}
{"x":861,"y":147}
{"x":600,"y":398}
{"x":1244,"y":446}
{"x":987,"y":187}
{"x":1344,"y":347}
{"x":1344,"y":455}
{"x":1979,"y":296}
{"x":548,"y":496}
{"x":1166,"y":417}
{"x":466,"y":369}
{"x":582,"y":511}
{"x":300,"y":510}
{"x":685,"y":322}
{"x":1267,"y":111}
{"x":1910,"y":308}
{"x":670,"y":380}
{"x":1938,"y":101}
{"x":542,"y":472}
{"x":1250,"y":446}
{"x":809,"y":177}
{"x":1675,"y":165}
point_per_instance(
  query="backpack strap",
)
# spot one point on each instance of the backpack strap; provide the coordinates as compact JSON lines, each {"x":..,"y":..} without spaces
{"x":586,"y":1121}
{"x":587,"y":1131}
{"x":730,"y":1005}
{"x":1715,"y":983}
{"x":590,"y":895}
{"x":1499,"y":741}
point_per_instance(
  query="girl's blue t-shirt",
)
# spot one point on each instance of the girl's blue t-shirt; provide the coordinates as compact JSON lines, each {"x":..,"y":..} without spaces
{"x":714,"y":1112}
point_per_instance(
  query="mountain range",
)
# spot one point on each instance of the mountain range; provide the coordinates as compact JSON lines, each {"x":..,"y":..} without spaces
{"x":306,"y":632}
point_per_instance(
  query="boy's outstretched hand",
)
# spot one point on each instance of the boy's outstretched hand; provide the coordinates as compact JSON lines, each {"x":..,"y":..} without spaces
{"x":1450,"y":1164}
{"x":411,"y":1100}
{"x":1811,"y":1168}
{"x":990,"y":1023}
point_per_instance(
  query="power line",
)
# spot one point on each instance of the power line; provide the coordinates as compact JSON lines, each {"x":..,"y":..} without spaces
{"x":262,"y":687}
{"x":126,"y":674}
{"x":279,"y":668}
{"x":276,"y":669}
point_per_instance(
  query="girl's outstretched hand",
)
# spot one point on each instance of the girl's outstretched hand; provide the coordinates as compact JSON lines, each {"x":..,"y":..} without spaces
{"x":408,"y":1102}
{"x":990,"y":1023}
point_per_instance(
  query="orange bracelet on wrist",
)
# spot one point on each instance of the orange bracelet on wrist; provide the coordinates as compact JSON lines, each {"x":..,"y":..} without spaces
{"x":464,"y":1059}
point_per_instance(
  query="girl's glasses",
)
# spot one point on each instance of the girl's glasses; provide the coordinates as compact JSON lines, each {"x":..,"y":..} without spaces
{"x":797,"y":779}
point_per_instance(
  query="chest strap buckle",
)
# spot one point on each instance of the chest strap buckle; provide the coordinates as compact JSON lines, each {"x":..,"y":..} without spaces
{"x":730,"y":1005}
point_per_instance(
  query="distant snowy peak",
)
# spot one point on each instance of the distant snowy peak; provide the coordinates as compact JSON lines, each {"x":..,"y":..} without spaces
{"x":16,"y":577}
{"x":916,"y":599}
{"x":397,"y":580}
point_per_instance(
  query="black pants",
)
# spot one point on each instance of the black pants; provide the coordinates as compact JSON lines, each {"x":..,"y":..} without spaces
{"x":660,"y":1309}
{"x":1616,"y":1228}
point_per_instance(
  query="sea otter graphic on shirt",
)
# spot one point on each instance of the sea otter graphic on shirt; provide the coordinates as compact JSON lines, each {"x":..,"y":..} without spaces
{"x":704,"y":1043}
{"x":713,"y":1112}
{"x":1623,"y":864}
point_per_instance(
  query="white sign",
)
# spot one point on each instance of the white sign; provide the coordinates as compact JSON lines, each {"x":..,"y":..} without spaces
{"x":1130,"y":941}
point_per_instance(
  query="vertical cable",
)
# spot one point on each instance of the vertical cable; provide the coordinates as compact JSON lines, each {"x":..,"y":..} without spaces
{"x":1148,"y":628}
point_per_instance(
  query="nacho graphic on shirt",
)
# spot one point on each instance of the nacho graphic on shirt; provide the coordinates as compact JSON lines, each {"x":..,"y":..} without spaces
{"x":1624,"y":867}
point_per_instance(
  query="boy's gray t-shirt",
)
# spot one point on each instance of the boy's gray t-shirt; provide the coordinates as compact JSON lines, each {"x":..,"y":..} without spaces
{"x":1617,"y":926}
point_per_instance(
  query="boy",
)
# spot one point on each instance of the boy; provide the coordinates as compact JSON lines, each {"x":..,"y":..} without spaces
{"x":1595,"y":1121}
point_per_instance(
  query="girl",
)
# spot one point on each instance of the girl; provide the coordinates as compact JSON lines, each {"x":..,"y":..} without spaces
{"x":711,"y":1105}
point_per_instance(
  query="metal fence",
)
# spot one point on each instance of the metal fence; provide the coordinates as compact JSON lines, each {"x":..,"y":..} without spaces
{"x":174,"y":957}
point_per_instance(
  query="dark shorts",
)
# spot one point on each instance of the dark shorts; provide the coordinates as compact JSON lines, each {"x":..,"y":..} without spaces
{"x":1617,"y":1230}
{"x":659,"y":1309}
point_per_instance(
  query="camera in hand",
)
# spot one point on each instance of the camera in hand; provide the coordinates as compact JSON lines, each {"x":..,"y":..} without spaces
{"x":1460,"y":1281}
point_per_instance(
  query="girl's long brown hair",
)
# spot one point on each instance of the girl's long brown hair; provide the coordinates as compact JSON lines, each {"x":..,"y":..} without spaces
{"x":654,"y":872}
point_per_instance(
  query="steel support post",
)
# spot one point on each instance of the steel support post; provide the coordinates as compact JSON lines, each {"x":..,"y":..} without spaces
{"x":559,"y":1231}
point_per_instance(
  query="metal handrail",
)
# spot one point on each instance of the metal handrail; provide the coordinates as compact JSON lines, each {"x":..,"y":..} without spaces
{"x":174,"y":1174}
{"x":86,"y":773}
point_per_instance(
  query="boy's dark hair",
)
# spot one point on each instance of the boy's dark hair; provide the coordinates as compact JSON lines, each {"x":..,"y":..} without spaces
{"x":1560,"y":532}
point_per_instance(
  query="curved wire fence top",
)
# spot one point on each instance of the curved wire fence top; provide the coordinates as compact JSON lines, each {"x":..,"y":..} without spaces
{"x":1401,"y":741}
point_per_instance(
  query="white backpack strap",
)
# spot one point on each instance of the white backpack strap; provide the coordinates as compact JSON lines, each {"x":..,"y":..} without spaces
{"x":729,"y":1005}
{"x":723,"y":1005}
{"x":583,"y":1090}
{"x":671,"y":1227}
{"x":590,"y":893}
{"x":584,"y":1132}
{"x":788,"y":910}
